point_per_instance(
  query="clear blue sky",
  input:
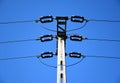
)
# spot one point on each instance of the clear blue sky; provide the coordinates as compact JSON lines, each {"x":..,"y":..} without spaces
{"x":90,"y":70}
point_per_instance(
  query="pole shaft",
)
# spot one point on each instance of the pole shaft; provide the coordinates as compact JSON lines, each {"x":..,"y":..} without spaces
{"x":61,"y":64}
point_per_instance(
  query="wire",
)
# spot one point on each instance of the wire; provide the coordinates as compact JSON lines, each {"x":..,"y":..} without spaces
{"x":47,"y":28}
{"x":47,"y":64}
{"x":103,"y":20}
{"x":102,"y":57}
{"x":14,"y":41}
{"x":63,"y":65}
{"x":102,"y":40}
{"x":76,"y":62}
{"x":86,"y":21}
{"x":85,"y":38}
{"x":24,"y":21}
{"x":78,"y":28}
{"x":12,"y":58}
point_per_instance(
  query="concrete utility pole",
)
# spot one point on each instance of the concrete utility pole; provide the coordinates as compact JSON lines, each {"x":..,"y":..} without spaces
{"x":61,"y":41}
{"x":61,"y":68}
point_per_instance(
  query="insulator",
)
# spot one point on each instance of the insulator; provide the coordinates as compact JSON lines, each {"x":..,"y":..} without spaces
{"x":75,"y":54}
{"x":45,"y":19}
{"x":47,"y":54}
{"x":45,"y":38}
{"x":77,"y":19}
{"x":76,"y":38}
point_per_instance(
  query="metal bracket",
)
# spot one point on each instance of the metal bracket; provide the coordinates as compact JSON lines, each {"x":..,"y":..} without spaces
{"x":61,"y":26}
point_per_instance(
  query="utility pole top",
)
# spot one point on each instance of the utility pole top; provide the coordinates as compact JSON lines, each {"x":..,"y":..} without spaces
{"x":61,"y":43}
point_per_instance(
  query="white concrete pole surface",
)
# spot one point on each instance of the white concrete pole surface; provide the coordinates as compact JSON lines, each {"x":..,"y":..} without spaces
{"x":61,"y":63}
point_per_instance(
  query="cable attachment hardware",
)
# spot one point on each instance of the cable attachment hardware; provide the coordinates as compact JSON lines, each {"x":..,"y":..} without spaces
{"x":45,"y":38}
{"x":46,"y":19}
{"x":77,"y":19}
{"x":76,"y":38}
{"x":47,"y":54}
{"x":75,"y":55}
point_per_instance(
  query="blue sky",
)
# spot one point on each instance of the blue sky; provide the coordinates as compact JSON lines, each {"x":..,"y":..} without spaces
{"x":92,"y":70}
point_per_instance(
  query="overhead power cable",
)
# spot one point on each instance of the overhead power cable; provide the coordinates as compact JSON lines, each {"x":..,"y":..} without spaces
{"x":27,"y":40}
{"x":79,"y":37}
{"x":23,"y":21}
{"x":70,"y":65}
{"x":15,"y":41}
{"x":110,"y":40}
{"x":83,"y":57}
{"x":78,"y":28}
{"x":47,"y":64}
{"x":109,"y":57}
{"x":48,"y":29}
{"x":95,"y":20}
{"x":66,"y":30}
{"x":21,"y":57}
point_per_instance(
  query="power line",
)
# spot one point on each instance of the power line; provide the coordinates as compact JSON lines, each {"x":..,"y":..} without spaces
{"x":87,"y":20}
{"x":91,"y":56}
{"x":78,"y":28}
{"x":47,"y":29}
{"x":109,"y":57}
{"x":103,"y":20}
{"x":79,"y":37}
{"x":66,"y":30}
{"x":83,"y":56}
{"x":24,"y":21}
{"x":14,"y":41}
{"x":22,"y":57}
{"x":70,"y":65}
{"x":76,"y":62}
{"x":102,"y":40}
{"x":47,"y":64}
